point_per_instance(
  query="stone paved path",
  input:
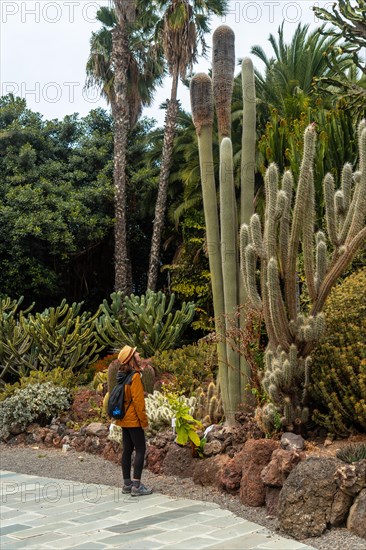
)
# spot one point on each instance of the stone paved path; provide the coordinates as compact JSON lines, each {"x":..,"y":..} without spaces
{"x":39,"y":512}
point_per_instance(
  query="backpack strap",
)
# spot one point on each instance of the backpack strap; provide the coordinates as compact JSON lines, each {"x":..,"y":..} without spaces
{"x":128,"y":381}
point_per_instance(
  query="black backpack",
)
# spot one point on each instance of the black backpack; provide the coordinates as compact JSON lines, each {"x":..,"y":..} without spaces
{"x":116,"y":408}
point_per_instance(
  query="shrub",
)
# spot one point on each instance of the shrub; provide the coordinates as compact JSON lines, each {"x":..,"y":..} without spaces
{"x":36,"y":402}
{"x":58,"y":376}
{"x":338,"y":387}
{"x":190,"y":365}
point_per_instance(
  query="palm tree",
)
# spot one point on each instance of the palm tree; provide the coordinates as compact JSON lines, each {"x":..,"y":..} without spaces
{"x":183,"y":27}
{"x":126,"y":63}
{"x":289,"y":76}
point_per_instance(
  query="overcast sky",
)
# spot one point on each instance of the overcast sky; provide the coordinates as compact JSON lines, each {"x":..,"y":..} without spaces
{"x":45,"y":45}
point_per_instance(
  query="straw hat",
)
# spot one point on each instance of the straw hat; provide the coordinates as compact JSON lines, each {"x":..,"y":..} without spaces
{"x":125,"y":354}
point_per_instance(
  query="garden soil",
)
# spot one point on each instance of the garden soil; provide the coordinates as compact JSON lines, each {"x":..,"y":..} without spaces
{"x":87,"y":468}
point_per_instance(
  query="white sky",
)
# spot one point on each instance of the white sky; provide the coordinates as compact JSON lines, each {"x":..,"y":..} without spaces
{"x":44,"y":47}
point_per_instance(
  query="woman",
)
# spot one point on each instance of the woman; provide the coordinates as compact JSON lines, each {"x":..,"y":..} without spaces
{"x":133,"y":422}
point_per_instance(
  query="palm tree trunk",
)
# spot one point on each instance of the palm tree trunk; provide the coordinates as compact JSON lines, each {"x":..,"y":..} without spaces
{"x":160,"y":207}
{"x":121,"y":117}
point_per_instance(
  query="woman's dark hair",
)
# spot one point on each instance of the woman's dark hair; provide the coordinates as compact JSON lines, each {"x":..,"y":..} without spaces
{"x":130,"y":366}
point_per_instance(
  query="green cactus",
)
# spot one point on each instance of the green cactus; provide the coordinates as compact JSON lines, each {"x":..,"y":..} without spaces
{"x":208,"y":404}
{"x":223,"y":66}
{"x":62,"y":336}
{"x":234,"y":372}
{"x":15,"y":342}
{"x":144,"y":321}
{"x":294,"y":334}
{"x":148,"y":378}
{"x":112,"y":374}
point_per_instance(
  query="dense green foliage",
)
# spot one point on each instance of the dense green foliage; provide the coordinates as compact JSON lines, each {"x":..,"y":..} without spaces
{"x":190,"y":365}
{"x":55,"y":202}
{"x":338,"y":385}
{"x":56,"y":205}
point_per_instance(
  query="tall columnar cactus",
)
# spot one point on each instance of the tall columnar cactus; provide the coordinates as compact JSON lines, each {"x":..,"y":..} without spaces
{"x":234,"y":373}
{"x":223,"y":66}
{"x":288,"y":229}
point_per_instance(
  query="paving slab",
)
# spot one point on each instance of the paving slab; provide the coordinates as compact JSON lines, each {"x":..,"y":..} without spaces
{"x":54,"y":514}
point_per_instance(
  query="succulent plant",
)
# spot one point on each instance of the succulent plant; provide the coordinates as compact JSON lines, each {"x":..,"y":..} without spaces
{"x":354,"y":452}
{"x":148,"y":321}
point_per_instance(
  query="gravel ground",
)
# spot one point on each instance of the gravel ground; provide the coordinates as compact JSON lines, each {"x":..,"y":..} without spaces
{"x":86,"y":468}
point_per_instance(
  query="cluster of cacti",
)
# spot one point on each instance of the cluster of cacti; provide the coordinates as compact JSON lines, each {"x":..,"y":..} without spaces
{"x":234,"y":372}
{"x":338,"y":373}
{"x":354,"y":452}
{"x":208,"y":405}
{"x":289,"y":228}
{"x":58,"y":337}
{"x":146,"y":321}
{"x":62,"y":336}
{"x":160,"y":413}
{"x":36,"y":402}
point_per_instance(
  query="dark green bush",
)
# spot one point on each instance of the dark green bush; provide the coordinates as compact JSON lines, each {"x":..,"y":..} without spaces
{"x":190,"y":365}
{"x":338,"y":387}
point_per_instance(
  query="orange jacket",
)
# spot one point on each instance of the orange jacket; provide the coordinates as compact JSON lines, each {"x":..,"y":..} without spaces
{"x":135,"y":416}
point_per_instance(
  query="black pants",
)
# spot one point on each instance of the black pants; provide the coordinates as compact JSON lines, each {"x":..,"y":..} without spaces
{"x":133,"y":439}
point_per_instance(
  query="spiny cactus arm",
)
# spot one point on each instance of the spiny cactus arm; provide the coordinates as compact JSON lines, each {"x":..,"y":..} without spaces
{"x":271,"y":189}
{"x":223,"y":67}
{"x":337,"y":269}
{"x":244,"y":241}
{"x":284,"y":234}
{"x":250,"y":273}
{"x":359,"y":212}
{"x":330,"y":213}
{"x":277,"y":306}
{"x":342,"y":199}
{"x":272,"y":338}
{"x":321,"y":265}
{"x":202,"y":113}
{"x":308,"y":240}
{"x":299,"y":212}
{"x":248,"y":141}
{"x":256,"y":235}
